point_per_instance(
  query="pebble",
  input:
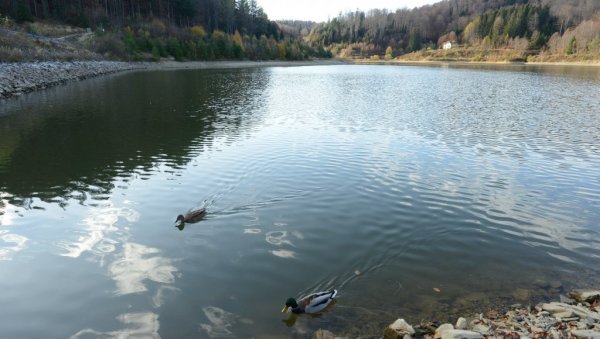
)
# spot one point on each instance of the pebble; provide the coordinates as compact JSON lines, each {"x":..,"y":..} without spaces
{"x":461,"y":334}
{"x":461,"y":323}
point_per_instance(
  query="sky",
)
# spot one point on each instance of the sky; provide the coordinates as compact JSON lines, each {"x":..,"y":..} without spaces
{"x":321,"y":10}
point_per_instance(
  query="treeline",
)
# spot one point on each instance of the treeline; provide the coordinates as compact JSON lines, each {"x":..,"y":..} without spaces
{"x":405,"y":30}
{"x":296,"y":28}
{"x":535,"y":30}
{"x":496,"y":23}
{"x":179,"y":29}
{"x":229,"y":16}
{"x":154,"y":40}
{"x":534,"y":25}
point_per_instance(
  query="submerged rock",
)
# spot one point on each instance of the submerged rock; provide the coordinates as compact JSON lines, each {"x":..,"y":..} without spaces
{"x":585,"y":295}
{"x":520,"y":294}
{"x":324,"y":334}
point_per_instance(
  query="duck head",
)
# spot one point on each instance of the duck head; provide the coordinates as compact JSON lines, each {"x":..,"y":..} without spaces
{"x":291,"y":302}
{"x":180,"y":220}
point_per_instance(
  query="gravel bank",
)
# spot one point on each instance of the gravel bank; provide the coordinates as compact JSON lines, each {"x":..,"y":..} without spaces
{"x":18,"y":78}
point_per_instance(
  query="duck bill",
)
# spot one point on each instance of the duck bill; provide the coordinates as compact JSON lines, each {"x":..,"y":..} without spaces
{"x":284,"y":309}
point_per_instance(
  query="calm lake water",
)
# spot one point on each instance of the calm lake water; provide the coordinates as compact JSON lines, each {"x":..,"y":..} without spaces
{"x":384,"y":182}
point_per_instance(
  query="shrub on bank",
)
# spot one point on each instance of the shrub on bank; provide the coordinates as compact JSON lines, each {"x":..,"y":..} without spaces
{"x":110,"y":46}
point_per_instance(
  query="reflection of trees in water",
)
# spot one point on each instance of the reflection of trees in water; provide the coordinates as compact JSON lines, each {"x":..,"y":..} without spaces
{"x":71,"y":142}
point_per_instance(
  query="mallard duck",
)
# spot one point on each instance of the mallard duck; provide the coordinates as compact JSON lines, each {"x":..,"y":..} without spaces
{"x":312,"y":303}
{"x":190,"y":217}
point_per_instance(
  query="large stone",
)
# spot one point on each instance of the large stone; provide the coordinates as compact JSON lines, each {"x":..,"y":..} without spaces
{"x":563,"y":315}
{"x":585,"y":295}
{"x":554,"y":307}
{"x":442,"y":329}
{"x":461,"y":334}
{"x":584,"y":313}
{"x":399,"y":329}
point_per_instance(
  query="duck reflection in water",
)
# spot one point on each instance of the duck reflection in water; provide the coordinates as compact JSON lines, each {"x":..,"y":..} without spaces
{"x":291,"y":320}
{"x":190,"y":217}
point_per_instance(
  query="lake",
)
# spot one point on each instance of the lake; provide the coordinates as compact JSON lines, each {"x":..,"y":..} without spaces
{"x":385,"y":182}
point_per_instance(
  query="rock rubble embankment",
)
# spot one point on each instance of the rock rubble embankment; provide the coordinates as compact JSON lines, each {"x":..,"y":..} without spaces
{"x":19,"y":78}
{"x":575,"y":316}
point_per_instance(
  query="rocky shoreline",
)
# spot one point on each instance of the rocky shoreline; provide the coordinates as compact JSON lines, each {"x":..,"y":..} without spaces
{"x":19,"y":78}
{"x":23,"y":77}
{"x":575,"y":316}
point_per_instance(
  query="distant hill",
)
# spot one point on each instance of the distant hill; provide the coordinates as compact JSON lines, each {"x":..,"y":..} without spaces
{"x":530,"y":26}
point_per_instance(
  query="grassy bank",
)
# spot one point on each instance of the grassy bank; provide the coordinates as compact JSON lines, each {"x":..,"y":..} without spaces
{"x":472,"y":54}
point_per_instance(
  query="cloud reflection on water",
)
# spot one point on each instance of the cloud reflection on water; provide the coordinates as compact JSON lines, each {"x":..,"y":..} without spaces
{"x":15,"y":242}
{"x":105,"y":234}
{"x":96,"y":227}
{"x":19,"y":243}
{"x":284,"y":254}
{"x":219,"y":322}
{"x":138,"y":325}
{"x":137,"y":264}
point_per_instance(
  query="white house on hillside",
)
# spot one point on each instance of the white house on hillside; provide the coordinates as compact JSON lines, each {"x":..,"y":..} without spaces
{"x":448,"y":44}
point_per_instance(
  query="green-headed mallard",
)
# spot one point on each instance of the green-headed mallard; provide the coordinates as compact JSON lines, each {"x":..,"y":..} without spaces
{"x":312,"y":303}
{"x":190,"y":217}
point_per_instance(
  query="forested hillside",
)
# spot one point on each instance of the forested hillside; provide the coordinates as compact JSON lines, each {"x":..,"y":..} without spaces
{"x":530,"y":26}
{"x":152,"y":29}
{"x":228,"y":16}
{"x":240,"y":29}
